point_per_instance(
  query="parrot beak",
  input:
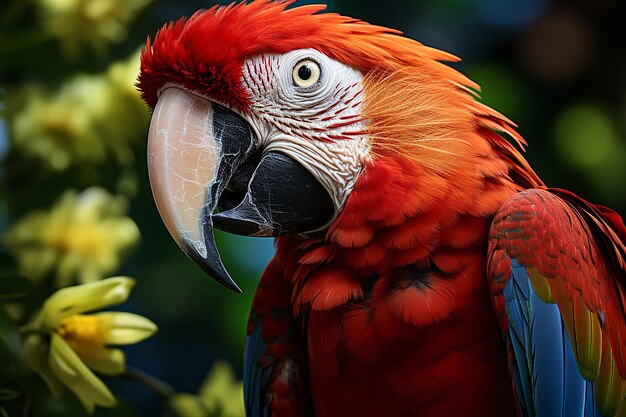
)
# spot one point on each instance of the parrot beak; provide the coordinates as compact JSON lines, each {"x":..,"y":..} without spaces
{"x":202,"y":157}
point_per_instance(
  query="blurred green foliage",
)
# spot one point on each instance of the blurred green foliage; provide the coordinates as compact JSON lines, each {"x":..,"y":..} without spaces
{"x":70,"y":119}
{"x":72,"y":137}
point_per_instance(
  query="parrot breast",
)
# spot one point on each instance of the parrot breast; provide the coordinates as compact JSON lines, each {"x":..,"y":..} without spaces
{"x":398,"y":316}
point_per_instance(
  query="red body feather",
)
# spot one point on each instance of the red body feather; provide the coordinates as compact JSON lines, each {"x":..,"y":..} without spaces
{"x":399,"y":323}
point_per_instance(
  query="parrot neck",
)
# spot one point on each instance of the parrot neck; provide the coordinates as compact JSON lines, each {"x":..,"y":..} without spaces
{"x":400,"y":214}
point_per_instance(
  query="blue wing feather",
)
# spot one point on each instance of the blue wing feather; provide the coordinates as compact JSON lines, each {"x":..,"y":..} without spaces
{"x":544,"y":368}
{"x":518,"y":338}
{"x":255,"y":377}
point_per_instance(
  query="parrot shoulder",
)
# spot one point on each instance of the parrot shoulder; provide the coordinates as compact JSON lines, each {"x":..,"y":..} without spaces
{"x":275,"y":371}
{"x":557,"y":276}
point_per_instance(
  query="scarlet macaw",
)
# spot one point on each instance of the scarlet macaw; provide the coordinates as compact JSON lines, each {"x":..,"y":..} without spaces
{"x":422,"y":267}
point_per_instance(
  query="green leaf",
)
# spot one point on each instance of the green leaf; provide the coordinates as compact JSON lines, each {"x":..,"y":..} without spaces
{"x":9,"y":338}
{"x":7,"y":262}
{"x":13,"y":285}
{"x":3,"y":412}
{"x":8,"y":395}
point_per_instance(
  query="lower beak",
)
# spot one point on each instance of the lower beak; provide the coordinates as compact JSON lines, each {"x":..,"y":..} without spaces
{"x":202,"y":157}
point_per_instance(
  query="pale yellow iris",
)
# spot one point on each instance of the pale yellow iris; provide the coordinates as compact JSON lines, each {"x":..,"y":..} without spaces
{"x":79,"y":342}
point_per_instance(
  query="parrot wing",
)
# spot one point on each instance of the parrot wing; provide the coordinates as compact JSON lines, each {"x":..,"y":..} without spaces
{"x":557,"y":276}
{"x":274,"y":371}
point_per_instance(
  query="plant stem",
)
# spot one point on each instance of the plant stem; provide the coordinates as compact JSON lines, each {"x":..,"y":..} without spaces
{"x":163,"y":389}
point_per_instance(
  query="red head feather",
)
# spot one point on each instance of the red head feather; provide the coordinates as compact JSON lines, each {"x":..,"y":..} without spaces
{"x":205,"y":52}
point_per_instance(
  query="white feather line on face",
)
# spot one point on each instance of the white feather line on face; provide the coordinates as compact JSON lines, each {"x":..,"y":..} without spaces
{"x":321,"y":127}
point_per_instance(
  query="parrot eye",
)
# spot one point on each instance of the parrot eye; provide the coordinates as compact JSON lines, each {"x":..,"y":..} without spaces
{"x":306,"y":73}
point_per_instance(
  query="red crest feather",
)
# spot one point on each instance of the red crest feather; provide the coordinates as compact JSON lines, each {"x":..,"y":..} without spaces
{"x":204,"y":52}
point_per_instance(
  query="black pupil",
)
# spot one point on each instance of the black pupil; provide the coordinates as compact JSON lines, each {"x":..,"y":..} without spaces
{"x":304,"y":72}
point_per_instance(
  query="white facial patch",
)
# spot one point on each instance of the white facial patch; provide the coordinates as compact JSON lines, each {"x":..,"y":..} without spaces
{"x":318,"y":125}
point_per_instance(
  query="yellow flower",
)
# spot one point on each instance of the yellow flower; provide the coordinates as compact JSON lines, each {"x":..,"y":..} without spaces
{"x":86,"y":120}
{"x":94,"y":23}
{"x":123,"y":75}
{"x":62,"y":344}
{"x":59,"y":129}
{"x":133,"y":116}
{"x":80,"y":239}
{"x":221,"y":394}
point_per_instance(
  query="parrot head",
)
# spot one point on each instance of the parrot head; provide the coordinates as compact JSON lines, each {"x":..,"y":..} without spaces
{"x":265,"y":118}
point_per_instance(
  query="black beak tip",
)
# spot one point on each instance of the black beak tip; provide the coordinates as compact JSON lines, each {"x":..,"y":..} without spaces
{"x":212,"y":265}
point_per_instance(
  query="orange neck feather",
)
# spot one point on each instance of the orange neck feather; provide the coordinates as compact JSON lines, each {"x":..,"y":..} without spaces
{"x":441,"y":167}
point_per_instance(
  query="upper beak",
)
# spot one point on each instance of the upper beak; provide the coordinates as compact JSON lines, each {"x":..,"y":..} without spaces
{"x":202,"y":157}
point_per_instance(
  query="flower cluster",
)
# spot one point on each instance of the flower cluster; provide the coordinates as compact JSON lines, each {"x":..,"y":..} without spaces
{"x":87,"y":119}
{"x":94,"y":23}
{"x":59,"y":129}
{"x":63,"y":344}
{"x":81,"y":239}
